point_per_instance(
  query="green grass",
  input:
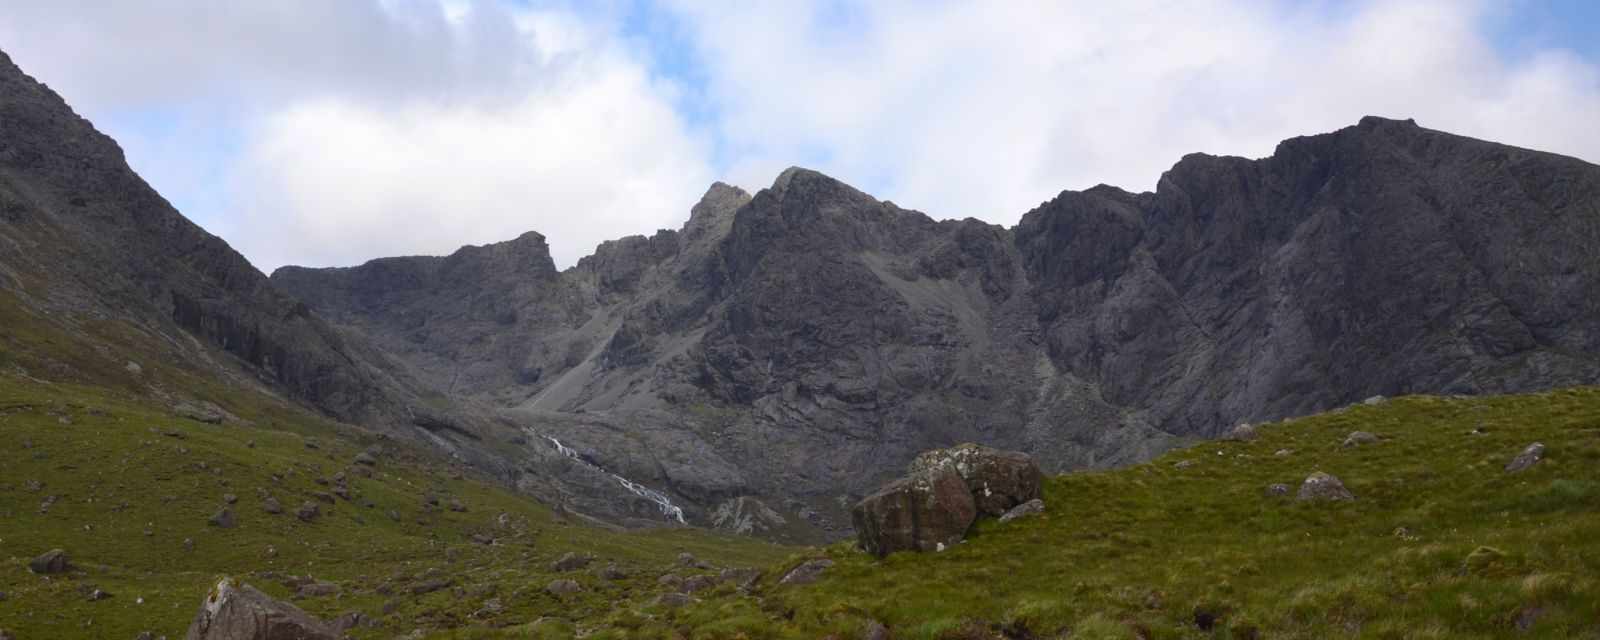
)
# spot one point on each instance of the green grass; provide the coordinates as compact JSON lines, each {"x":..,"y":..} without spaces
{"x":1440,"y":543}
{"x":118,"y":475}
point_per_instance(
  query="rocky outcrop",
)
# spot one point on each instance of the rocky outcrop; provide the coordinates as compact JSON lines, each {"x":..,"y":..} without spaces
{"x":998,"y":480}
{"x":239,"y":612}
{"x":930,"y":510}
{"x":1320,"y":486}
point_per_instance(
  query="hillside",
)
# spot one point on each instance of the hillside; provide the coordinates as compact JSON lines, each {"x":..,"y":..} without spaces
{"x":1439,"y":542}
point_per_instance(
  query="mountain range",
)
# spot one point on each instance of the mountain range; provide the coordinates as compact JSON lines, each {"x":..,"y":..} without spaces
{"x":784,"y":352}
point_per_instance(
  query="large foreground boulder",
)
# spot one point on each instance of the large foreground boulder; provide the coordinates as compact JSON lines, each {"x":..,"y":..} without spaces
{"x":998,"y":480}
{"x":240,"y":612}
{"x":927,"y":511}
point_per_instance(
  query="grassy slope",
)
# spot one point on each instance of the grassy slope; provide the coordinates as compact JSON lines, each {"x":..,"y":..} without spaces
{"x":1134,"y":552}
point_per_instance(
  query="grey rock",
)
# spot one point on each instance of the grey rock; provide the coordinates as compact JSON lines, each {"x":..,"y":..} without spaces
{"x":998,"y":480}
{"x":366,"y":459}
{"x":673,"y":600}
{"x":741,"y":578}
{"x":317,"y":589}
{"x":1530,"y":456}
{"x":1242,"y":432}
{"x":50,"y":562}
{"x":1277,"y":490}
{"x":1358,"y":438}
{"x":1321,"y":486}
{"x":807,"y":572}
{"x":223,"y":518}
{"x":431,"y":585}
{"x":1029,"y":508}
{"x":693,"y":584}
{"x":563,"y":587}
{"x":611,"y":572}
{"x":308,"y":511}
{"x":230,"y":498}
{"x":571,"y":562}
{"x":239,"y":612}
{"x":1374,"y":401}
{"x":927,"y":511}
{"x":271,"y":505}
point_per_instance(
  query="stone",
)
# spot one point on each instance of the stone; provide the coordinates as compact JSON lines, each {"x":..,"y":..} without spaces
{"x":694,"y":584}
{"x":1531,"y":455}
{"x":1029,"y":508}
{"x":1277,"y":490}
{"x":743,"y":579}
{"x":998,"y":480}
{"x":927,"y":511}
{"x":240,"y":612}
{"x":611,"y":572}
{"x":317,"y":589}
{"x":230,"y":498}
{"x":876,"y":631}
{"x":1321,"y":486}
{"x":271,"y":505}
{"x":429,"y":586}
{"x":222,"y":518}
{"x":482,"y":538}
{"x":1374,"y":401}
{"x":1358,"y":438}
{"x":571,"y":562}
{"x":1242,"y":432}
{"x":352,"y":620}
{"x":1183,"y":464}
{"x":308,"y":511}
{"x":366,"y":459}
{"x":96,"y":594}
{"x":50,"y":562}
{"x":673,"y":600}
{"x":807,"y":572}
{"x":456,"y":505}
{"x":563,"y":587}
{"x":670,"y":581}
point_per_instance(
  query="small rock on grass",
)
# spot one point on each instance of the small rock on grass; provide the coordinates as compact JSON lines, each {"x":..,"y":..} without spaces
{"x":52,"y":561}
{"x":563,"y":587}
{"x":1530,"y":456}
{"x":1029,"y":508}
{"x":1322,"y":486}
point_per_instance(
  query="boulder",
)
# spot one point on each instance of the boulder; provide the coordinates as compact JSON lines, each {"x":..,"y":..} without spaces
{"x":1358,"y":438}
{"x":673,"y":600}
{"x":52,"y":561}
{"x":1530,"y":456}
{"x":1321,"y":486}
{"x":807,"y":573}
{"x":998,"y":480}
{"x":928,"y":511}
{"x":693,"y":584}
{"x":317,"y":589}
{"x":563,"y":587}
{"x":222,"y":518}
{"x":271,"y":505}
{"x":742,"y":578}
{"x":240,"y":612}
{"x":308,"y":511}
{"x":1029,"y":508}
{"x":1243,"y":432}
{"x":366,"y":459}
{"x":570,"y":562}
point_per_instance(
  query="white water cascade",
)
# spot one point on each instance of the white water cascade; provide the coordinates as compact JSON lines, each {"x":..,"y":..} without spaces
{"x":660,"y":499}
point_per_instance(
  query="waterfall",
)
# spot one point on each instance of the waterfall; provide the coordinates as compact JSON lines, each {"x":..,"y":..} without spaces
{"x":660,"y":499}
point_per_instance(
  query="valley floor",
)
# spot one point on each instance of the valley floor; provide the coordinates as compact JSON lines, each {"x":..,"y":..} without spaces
{"x":1440,"y":542}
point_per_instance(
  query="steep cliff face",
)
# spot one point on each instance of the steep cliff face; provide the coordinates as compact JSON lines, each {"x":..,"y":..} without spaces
{"x":800,"y":345}
{"x":83,"y":238}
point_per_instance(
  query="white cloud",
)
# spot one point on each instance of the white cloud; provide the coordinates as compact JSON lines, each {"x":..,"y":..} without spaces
{"x":334,"y":132}
{"x":354,"y":130}
{"x":985,"y":110}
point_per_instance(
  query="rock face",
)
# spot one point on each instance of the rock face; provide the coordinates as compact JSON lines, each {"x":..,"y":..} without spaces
{"x":926,"y":511}
{"x":1321,"y":486}
{"x":240,"y":612}
{"x":819,"y":323}
{"x":998,"y":480}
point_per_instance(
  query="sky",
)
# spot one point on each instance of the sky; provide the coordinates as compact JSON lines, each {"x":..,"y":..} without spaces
{"x":329,"y":133}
